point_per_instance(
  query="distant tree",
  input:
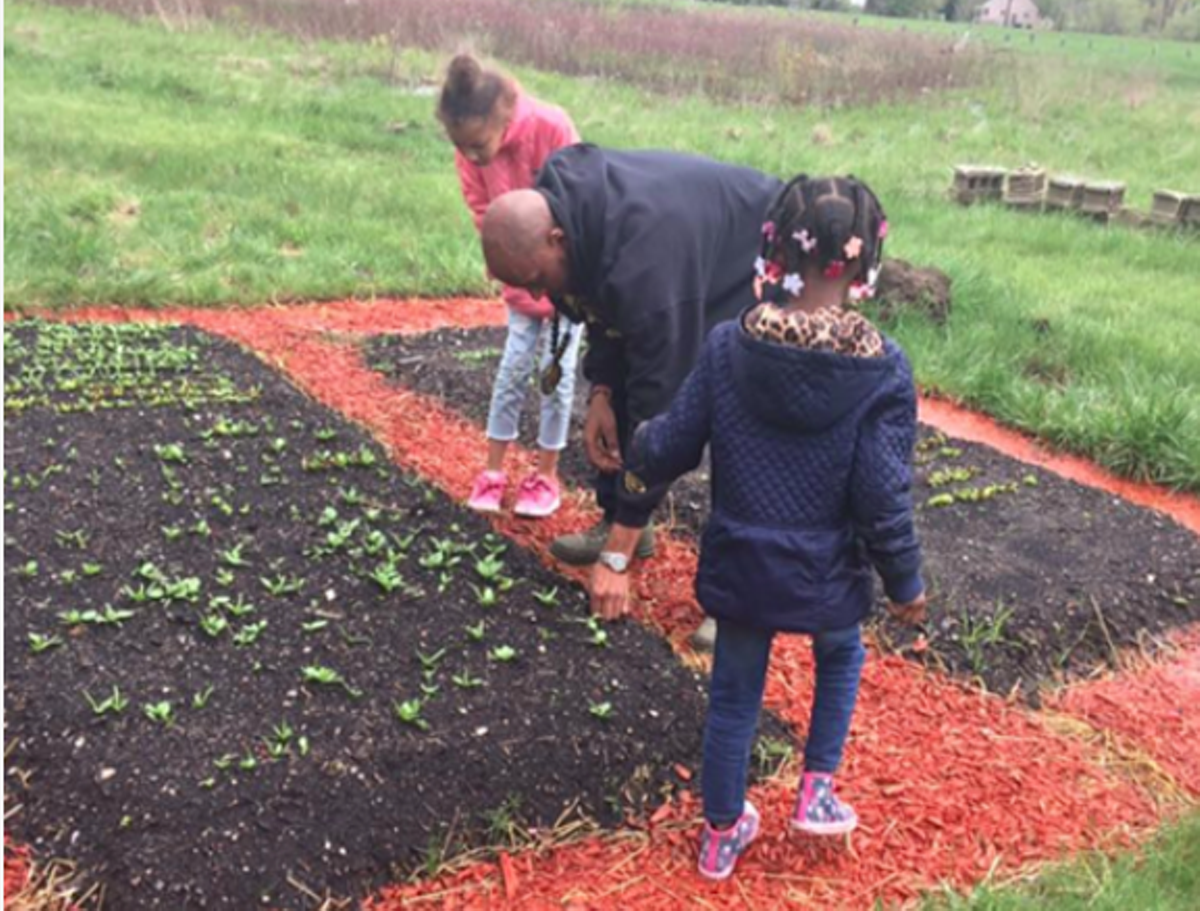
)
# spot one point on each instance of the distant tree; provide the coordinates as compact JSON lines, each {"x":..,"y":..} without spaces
{"x":961,"y":10}
{"x":905,"y":9}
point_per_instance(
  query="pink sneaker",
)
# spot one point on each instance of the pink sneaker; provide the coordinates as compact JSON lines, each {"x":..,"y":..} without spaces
{"x":488,"y":493}
{"x":538,"y":497}
{"x":719,"y":851}
{"x":818,"y":811}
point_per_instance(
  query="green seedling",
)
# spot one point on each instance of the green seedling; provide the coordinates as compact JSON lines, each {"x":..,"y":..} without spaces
{"x":314,"y":626}
{"x":505,"y":584}
{"x":327,"y":676}
{"x":29,"y":569}
{"x":68,"y":577}
{"x":235,"y":608}
{"x":475,"y":633}
{"x":226,"y":761}
{"x":599,"y":634}
{"x":375,"y":543}
{"x":208,"y":783}
{"x":249,"y":634}
{"x":947,"y":476}
{"x":160,"y":712}
{"x":302,"y":745}
{"x":1030,"y":480}
{"x":444,"y":580}
{"x":328,"y":516}
{"x":78,"y":539}
{"x":171,"y":453}
{"x":278,"y":445}
{"x":201,"y":528}
{"x":941,"y":500}
{"x":352,"y":497}
{"x":225,"y":577}
{"x":282,"y":585}
{"x":344,"y":532}
{"x":601,"y":710}
{"x":387,"y":577}
{"x":90,"y":570}
{"x":233,"y":556}
{"x":248,"y":763}
{"x":430,"y":690}
{"x":979,"y":634}
{"x":39,"y":643}
{"x":407,"y":541}
{"x":283,"y":732}
{"x":115,"y":703}
{"x":325,"y":434}
{"x":547,"y":598}
{"x":486,"y":596}
{"x":503,"y":653}
{"x":489,"y":568}
{"x":409,"y":712}
{"x":214,"y":625}
{"x":172,"y":532}
{"x":200,"y":699}
{"x":465,"y":681}
{"x":431,"y":662}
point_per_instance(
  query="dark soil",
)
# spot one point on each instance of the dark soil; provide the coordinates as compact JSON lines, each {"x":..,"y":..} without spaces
{"x":357,"y":796}
{"x":1036,"y":579}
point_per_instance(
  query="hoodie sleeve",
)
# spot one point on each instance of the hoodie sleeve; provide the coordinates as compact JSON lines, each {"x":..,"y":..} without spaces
{"x":881,"y":491}
{"x":672,"y":444}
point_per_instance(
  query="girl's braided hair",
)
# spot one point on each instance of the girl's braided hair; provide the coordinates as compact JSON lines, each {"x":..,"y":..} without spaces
{"x":834,"y":223}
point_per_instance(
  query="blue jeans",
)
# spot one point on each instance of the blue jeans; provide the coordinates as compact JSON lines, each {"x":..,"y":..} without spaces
{"x":512,"y":381}
{"x":735,"y":698}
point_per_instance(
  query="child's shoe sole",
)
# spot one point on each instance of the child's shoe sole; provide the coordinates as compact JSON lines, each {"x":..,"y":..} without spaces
{"x":824,"y":828}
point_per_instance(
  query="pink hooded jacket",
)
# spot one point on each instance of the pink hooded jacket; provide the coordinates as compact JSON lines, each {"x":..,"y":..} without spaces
{"x":536,"y":130}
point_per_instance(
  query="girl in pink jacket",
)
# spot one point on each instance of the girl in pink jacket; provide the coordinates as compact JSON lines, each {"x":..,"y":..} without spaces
{"x":502,"y":137}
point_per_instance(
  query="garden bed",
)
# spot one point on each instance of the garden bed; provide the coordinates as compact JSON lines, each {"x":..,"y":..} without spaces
{"x":1036,"y":578}
{"x":247,"y":657}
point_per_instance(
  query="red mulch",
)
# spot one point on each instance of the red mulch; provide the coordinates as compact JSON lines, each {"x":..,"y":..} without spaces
{"x":16,"y":869}
{"x":1156,"y":708}
{"x":950,"y":784}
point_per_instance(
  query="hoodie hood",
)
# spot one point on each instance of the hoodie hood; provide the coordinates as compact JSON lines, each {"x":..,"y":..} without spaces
{"x":576,"y":188}
{"x":805,"y":390}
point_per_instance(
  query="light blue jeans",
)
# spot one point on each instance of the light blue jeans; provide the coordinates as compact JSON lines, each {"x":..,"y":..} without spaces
{"x":521,"y":354}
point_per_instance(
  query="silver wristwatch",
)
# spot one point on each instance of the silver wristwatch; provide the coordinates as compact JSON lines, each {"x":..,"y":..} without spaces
{"x":618,"y":563}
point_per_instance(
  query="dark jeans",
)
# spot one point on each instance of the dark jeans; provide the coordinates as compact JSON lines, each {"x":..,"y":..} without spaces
{"x":735,"y":698}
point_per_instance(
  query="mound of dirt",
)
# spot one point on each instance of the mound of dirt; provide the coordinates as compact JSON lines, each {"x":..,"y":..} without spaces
{"x":903,"y":287}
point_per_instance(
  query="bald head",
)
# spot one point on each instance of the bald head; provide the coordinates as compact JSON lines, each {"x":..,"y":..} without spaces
{"x":523,"y":245}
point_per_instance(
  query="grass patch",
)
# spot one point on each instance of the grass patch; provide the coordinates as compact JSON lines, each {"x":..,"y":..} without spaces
{"x":1163,"y":877}
{"x":213,"y":166}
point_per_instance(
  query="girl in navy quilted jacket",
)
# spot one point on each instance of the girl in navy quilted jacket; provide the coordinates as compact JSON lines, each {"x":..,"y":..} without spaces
{"x":809,"y":413}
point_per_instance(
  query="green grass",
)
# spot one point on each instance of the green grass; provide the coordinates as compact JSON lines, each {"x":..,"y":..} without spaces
{"x":264,"y":168}
{"x":1165,"y":876}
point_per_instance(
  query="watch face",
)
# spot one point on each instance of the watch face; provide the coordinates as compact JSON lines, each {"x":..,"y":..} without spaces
{"x":618,"y":563}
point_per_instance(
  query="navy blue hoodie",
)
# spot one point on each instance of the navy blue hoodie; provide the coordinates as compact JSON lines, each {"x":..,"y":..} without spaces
{"x":661,"y":249}
{"x":811,"y":479}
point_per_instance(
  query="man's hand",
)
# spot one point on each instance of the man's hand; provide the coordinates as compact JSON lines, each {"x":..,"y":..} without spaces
{"x":913,"y":613}
{"x":610,"y":593}
{"x":600,"y":438}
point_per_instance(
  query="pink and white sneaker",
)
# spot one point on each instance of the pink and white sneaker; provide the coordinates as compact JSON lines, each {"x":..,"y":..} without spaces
{"x":818,"y":811}
{"x":487,"y":494}
{"x":720,"y":850}
{"x":538,"y":497}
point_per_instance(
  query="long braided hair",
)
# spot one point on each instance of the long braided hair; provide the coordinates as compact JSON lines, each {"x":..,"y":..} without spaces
{"x":834,"y":223}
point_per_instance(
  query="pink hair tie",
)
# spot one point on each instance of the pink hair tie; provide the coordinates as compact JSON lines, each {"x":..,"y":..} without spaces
{"x":835,"y":269}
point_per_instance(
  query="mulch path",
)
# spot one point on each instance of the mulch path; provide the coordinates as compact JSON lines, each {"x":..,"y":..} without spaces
{"x":951,"y":784}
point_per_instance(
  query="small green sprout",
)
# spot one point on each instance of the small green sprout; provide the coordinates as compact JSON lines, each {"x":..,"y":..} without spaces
{"x":547,"y":598}
{"x":465,"y":681}
{"x":233,"y":556}
{"x":214,"y":625}
{"x":313,"y":626}
{"x":200,"y":699}
{"x":410,"y":713}
{"x":601,"y":710}
{"x":39,"y":643}
{"x":282,"y":585}
{"x":430,"y":662}
{"x":115,"y":703}
{"x":489,"y":568}
{"x":475,"y":633}
{"x":249,"y":633}
{"x":171,"y":452}
{"x":503,"y":653}
{"x":160,"y":712}
{"x":327,"y":676}
{"x":91,"y":569}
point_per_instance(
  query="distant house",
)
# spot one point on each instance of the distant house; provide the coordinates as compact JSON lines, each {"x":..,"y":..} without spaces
{"x":1013,"y":13}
